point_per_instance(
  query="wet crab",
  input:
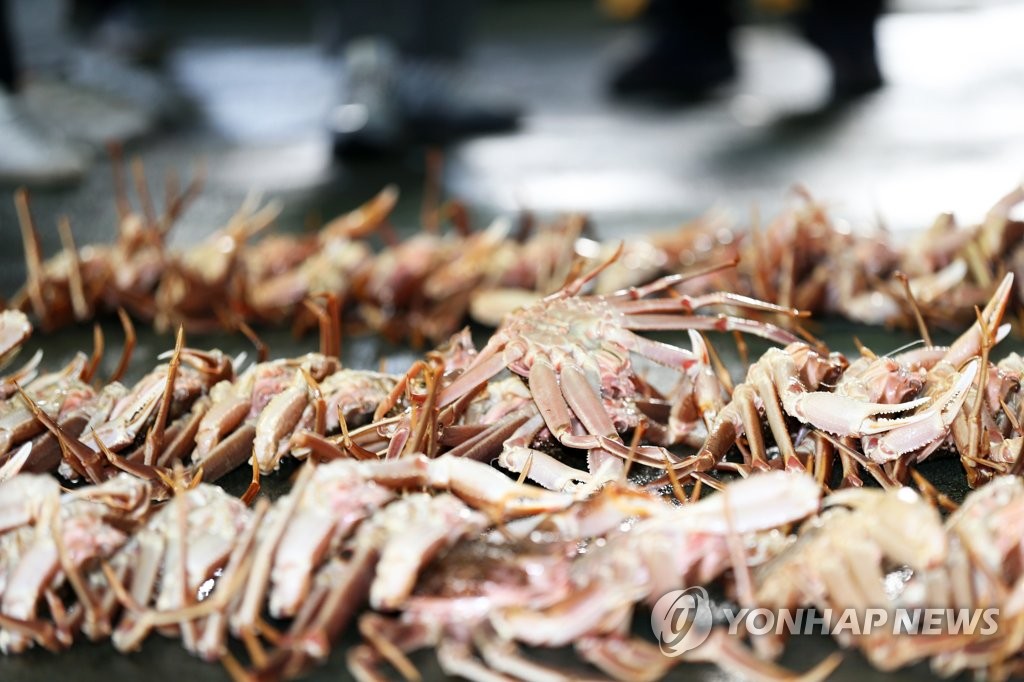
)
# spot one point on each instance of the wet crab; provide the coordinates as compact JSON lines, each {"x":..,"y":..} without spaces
{"x":575,"y":352}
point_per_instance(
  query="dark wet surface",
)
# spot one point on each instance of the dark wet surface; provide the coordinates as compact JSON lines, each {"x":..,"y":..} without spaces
{"x":944,"y":135}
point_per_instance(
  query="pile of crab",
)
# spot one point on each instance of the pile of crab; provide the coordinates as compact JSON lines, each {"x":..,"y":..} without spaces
{"x":424,"y":287}
{"x":537,"y":492}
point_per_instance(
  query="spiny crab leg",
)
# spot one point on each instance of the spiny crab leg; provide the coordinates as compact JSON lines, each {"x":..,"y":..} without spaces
{"x":137,"y":469}
{"x":690,"y":304}
{"x":720,"y":323}
{"x":490,"y":441}
{"x":575,"y":286}
{"x":98,"y":344}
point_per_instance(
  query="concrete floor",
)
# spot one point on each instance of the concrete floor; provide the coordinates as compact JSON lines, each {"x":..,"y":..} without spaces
{"x":945,"y":134}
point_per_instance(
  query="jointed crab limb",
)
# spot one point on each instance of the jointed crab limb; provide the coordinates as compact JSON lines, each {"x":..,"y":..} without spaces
{"x":127,"y":348}
{"x":719,"y":323}
{"x":33,"y":256}
{"x":79,"y":456}
{"x":77,"y":289}
{"x":155,"y":437}
{"x":969,"y":344}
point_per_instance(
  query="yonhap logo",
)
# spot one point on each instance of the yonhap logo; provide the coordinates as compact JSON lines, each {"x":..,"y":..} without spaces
{"x":681,"y":620}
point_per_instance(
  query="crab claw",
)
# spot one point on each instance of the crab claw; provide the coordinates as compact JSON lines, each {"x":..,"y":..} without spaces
{"x":845,"y":416}
{"x":969,"y":345}
{"x":14,"y":330}
{"x":932,"y":424}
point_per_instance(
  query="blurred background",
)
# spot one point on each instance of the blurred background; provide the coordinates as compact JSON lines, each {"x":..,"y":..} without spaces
{"x":640,"y":113}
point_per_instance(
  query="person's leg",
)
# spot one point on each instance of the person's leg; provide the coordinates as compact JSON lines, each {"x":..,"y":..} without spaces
{"x":404,"y":84}
{"x":8,"y":65}
{"x":687,"y":54}
{"x":845,"y":31}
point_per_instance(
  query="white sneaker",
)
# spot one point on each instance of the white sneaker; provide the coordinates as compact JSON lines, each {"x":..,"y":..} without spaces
{"x":368,"y":117}
{"x":28,"y":154}
{"x":151,"y":92}
{"x":82,"y":113}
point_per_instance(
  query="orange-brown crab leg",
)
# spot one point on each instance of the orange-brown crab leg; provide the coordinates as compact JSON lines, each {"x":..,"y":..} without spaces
{"x":128,"y":348}
{"x":78,"y":303}
{"x":79,"y":456}
{"x":155,"y":437}
{"x":33,"y":254}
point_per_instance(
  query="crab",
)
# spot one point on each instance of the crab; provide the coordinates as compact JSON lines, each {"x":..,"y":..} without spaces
{"x":575,"y":353}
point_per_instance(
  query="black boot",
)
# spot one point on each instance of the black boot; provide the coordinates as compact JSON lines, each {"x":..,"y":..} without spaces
{"x":687,"y":55}
{"x":844,"y":30}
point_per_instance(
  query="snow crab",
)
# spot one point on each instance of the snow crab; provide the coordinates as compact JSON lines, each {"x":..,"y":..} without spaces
{"x":574,"y":351}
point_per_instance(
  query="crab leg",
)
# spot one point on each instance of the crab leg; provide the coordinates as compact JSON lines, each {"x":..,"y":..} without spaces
{"x":584,"y":403}
{"x":661,"y":353}
{"x":625,"y":658}
{"x":24,"y":374}
{"x":456,"y":659}
{"x":229,"y":454}
{"x":553,"y":408}
{"x":505,"y":657}
{"x":347,"y":594}
{"x":14,"y":464}
{"x":211,"y":644}
{"x":689,"y":304}
{"x":155,"y":437}
{"x":127,"y":349}
{"x":970,"y":343}
{"x":540,"y":467}
{"x":33,"y":255}
{"x":182,"y":437}
{"x":721,"y":323}
{"x":83,"y":459}
{"x":78,"y":303}
{"x":558,"y":417}
{"x":730,"y":654}
{"x":245,"y":618}
{"x":363,"y":220}
{"x":489,"y":442}
{"x":279,"y":419}
{"x":491,"y":360}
